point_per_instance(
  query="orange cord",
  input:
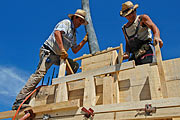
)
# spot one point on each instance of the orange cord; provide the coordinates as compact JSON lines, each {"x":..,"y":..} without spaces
{"x":25,"y":101}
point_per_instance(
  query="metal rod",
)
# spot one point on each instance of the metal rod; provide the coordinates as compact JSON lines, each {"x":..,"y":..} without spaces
{"x":93,"y":43}
{"x":52,"y":75}
{"x":48,"y":80}
{"x":42,"y":81}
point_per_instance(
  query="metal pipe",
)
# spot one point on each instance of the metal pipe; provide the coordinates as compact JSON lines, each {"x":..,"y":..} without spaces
{"x":93,"y":43}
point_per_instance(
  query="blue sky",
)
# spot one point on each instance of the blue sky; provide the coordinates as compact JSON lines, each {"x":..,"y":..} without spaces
{"x":26,"y":24}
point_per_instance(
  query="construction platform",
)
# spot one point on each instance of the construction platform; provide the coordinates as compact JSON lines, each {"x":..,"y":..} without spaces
{"x":109,"y":89}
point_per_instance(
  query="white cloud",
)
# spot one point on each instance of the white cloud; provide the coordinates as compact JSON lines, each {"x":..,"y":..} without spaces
{"x":12,"y":80}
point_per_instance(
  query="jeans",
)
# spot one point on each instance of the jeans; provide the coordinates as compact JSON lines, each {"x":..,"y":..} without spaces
{"x":47,"y":59}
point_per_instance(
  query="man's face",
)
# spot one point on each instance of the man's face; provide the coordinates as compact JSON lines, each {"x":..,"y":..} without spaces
{"x":131,"y":16}
{"x":77,"y":21}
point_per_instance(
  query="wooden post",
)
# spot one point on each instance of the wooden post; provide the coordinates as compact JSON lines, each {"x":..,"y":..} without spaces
{"x":108,"y":90}
{"x":89,"y":92}
{"x":120,"y":54}
{"x":62,"y":91}
{"x":161,"y":71}
{"x":62,"y":68}
{"x":69,"y":67}
{"x":116,"y":77}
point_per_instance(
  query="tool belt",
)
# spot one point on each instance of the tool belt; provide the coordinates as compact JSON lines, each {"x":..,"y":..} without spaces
{"x":141,"y":51}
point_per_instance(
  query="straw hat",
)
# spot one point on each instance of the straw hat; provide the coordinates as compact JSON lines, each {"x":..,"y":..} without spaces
{"x":127,"y":8}
{"x":80,"y":13}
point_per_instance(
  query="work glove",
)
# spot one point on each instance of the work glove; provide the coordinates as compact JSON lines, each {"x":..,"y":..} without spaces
{"x":63,"y":54}
{"x":86,"y":37}
{"x":158,"y":40}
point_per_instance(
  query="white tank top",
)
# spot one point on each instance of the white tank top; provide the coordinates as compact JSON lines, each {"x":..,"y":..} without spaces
{"x":143,"y":33}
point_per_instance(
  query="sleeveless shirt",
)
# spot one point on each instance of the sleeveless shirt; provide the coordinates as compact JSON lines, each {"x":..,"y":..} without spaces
{"x":137,"y":34}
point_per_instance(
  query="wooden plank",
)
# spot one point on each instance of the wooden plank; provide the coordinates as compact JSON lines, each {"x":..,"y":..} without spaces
{"x":62,"y":68}
{"x":102,"y":52}
{"x":116,"y":77}
{"x":45,"y":95}
{"x":167,"y":107}
{"x":137,"y":105}
{"x":175,"y":118}
{"x":62,"y":92}
{"x":154,"y":81}
{"x":116,"y":88}
{"x":99,"y":61}
{"x":108,"y":90}
{"x":89,"y":92}
{"x":74,"y":104}
{"x":75,"y":85}
{"x":161,"y":71}
{"x":120,"y":54}
{"x":140,"y":83}
{"x":100,"y":71}
{"x":161,"y":114}
{"x":69,"y":67}
{"x":173,"y":88}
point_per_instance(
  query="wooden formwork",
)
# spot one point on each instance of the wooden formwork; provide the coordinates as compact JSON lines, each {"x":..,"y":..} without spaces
{"x":114,"y":90}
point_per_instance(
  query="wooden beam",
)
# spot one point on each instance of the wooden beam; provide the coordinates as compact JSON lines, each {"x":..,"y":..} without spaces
{"x":73,"y":104}
{"x":176,"y":119}
{"x":62,"y":68}
{"x":166,"y":108}
{"x":120,"y":54}
{"x":100,"y":71}
{"x":62,"y":92}
{"x":89,"y":92}
{"x":108,"y":90}
{"x":116,"y":77}
{"x":69,"y":67}
{"x":161,"y":71}
{"x":102,"y":52}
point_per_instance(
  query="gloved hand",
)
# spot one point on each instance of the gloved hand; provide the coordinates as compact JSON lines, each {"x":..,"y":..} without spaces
{"x":86,"y":37}
{"x":63,"y":54}
{"x":158,"y":40}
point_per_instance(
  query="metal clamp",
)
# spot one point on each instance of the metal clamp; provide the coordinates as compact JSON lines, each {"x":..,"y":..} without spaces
{"x":149,"y":109}
{"x":88,"y":113}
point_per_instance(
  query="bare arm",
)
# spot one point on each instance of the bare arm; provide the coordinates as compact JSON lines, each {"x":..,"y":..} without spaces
{"x":147,"y":21}
{"x":127,"y":53}
{"x":81,"y":44}
{"x":58,"y":37}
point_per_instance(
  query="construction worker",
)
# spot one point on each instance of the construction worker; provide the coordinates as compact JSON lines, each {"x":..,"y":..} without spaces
{"x":137,"y":32}
{"x":55,"y":48}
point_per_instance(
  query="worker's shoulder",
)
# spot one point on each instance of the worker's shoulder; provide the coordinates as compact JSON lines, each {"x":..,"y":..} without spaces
{"x":144,"y":16}
{"x":65,"y":21}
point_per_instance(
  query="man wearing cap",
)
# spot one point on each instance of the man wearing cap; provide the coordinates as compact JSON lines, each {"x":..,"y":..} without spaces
{"x":55,"y":48}
{"x":137,"y":32}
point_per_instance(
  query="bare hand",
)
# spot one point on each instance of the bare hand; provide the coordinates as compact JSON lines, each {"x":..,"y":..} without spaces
{"x":86,"y":37}
{"x":64,"y":54}
{"x":125,"y":56}
{"x":158,"y":40}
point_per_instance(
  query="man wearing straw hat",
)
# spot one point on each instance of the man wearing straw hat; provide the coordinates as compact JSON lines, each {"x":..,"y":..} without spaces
{"x":137,"y":32}
{"x":55,"y":48}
